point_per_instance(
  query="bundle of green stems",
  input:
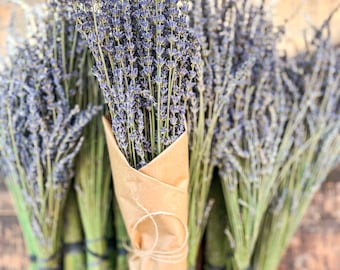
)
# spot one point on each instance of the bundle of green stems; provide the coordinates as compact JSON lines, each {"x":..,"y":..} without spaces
{"x":92,"y":181}
{"x":93,"y":177}
{"x":73,"y":236}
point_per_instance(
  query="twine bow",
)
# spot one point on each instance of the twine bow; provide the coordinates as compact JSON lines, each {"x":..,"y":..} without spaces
{"x":173,"y":256}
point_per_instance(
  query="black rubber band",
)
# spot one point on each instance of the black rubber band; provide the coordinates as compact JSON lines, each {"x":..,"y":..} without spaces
{"x":212,"y":267}
{"x":73,"y":247}
{"x":111,"y":243}
{"x":229,"y":254}
{"x":99,"y":256}
{"x":32,"y":258}
{"x":122,"y":252}
{"x":48,"y":268}
{"x":35,"y":259}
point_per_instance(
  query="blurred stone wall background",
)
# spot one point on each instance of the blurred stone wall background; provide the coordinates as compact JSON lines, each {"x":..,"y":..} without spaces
{"x":316,"y":245}
{"x":300,"y":14}
{"x":4,"y":20}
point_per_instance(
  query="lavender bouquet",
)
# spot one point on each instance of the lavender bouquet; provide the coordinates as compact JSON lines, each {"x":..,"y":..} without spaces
{"x":253,"y":143}
{"x":235,"y":96}
{"x":146,"y":63}
{"x":41,"y":135}
{"x":205,"y":108}
{"x":251,"y":150}
{"x":145,"y":66}
{"x":92,"y":181}
{"x":312,"y":82}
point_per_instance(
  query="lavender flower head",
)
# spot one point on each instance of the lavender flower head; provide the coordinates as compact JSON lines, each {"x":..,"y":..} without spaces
{"x":41,"y":133}
{"x":239,"y":51}
{"x":312,"y":82}
{"x":145,"y":63}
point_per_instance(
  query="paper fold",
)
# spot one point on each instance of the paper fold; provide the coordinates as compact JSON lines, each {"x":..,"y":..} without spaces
{"x":154,"y":204}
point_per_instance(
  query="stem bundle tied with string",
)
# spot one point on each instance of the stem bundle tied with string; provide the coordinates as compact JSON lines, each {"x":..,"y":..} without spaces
{"x":93,"y":179}
{"x":146,"y":63}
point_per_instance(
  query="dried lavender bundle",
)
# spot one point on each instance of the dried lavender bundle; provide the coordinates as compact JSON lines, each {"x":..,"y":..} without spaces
{"x":238,"y":45}
{"x":92,"y":179}
{"x":145,"y":64}
{"x":146,"y":61}
{"x":42,"y":135}
{"x":312,"y":81}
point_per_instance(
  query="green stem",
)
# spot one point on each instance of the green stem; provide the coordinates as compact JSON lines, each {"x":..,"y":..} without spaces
{"x":74,"y":259}
{"x":216,"y":244}
{"x":121,"y":238}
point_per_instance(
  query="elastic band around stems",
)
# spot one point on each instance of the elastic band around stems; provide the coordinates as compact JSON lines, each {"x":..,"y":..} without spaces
{"x":35,"y":259}
{"x":49,"y":268}
{"x":211,"y":267}
{"x":111,"y":243}
{"x":99,"y":257}
{"x":75,"y":247}
{"x":122,"y":252}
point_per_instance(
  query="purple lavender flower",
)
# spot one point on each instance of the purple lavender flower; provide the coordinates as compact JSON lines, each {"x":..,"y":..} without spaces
{"x":144,"y":54}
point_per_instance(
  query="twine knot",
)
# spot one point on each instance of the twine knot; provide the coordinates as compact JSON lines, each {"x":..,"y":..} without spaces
{"x":173,"y":256}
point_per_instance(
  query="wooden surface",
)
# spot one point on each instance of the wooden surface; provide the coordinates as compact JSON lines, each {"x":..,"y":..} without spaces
{"x":299,"y":15}
{"x":316,"y":245}
{"x":12,"y":249}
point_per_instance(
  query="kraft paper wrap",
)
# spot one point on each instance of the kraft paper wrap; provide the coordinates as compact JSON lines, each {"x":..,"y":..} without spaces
{"x":154,"y":204}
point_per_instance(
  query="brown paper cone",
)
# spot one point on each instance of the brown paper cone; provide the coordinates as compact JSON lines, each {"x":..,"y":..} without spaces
{"x":154,"y":204}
